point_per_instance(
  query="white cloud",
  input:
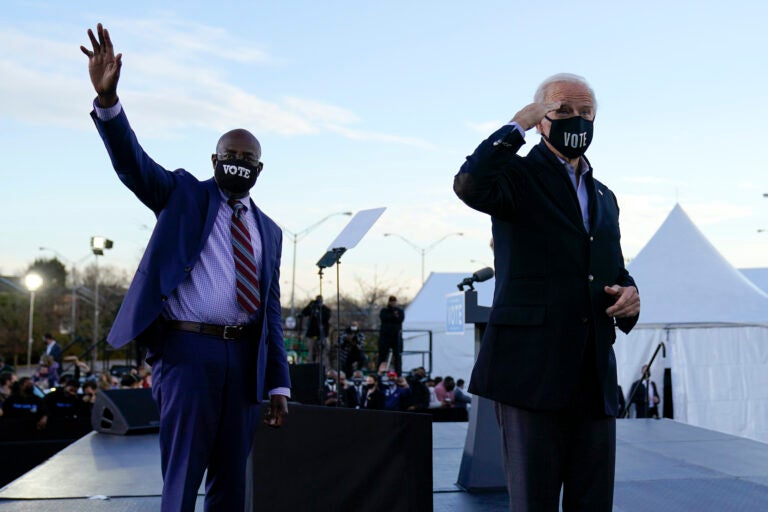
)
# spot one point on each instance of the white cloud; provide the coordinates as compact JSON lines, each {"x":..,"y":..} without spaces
{"x":175,"y":74}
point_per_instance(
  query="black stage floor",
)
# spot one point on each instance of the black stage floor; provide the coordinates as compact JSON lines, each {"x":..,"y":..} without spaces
{"x":661,"y":466}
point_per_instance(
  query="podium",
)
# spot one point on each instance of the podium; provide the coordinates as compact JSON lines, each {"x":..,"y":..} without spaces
{"x":481,"y":463}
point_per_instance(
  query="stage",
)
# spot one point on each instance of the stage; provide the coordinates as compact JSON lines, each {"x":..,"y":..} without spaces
{"x":661,"y":465}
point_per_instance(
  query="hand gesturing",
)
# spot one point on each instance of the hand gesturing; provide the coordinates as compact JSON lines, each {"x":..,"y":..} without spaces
{"x":103,"y":66}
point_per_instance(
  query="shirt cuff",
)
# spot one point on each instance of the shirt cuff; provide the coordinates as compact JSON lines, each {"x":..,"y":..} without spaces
{"x":286,"y":392}
{"x":514,"y":125}
{"x":105,"y":114}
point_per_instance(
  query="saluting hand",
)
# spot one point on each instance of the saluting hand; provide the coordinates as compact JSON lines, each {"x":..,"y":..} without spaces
{"x":103,"y":66}
{"x":530,"y":115}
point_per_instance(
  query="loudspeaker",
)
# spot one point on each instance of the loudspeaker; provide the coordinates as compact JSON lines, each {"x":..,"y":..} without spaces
{"x":125,"y":412}
{"x":305,"y":382}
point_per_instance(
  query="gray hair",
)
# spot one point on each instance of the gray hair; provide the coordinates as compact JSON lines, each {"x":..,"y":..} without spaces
{"x":541,"y":91}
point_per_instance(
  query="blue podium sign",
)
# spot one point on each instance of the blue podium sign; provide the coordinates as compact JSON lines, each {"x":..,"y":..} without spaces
{"x":454,"y":313}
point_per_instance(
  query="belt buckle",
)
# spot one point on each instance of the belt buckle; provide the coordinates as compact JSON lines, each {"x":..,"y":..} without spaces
{"x":232,"y":332}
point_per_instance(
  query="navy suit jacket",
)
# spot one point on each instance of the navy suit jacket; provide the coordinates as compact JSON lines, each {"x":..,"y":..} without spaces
{"x":550,"y":273}
{"x":186,"y":209}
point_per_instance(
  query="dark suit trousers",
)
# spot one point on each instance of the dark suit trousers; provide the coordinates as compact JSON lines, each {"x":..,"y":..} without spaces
{"x":546,"y":450}
{"x":206,"y":419}
{"x":574,"y":448}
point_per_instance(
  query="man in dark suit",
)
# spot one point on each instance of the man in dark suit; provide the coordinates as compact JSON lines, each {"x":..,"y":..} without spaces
{"x":391,"y":334}
{"x":205,"y":300}
{"x":646,"y":403}
{"x":561,"y":288}
{"x":52,"y":348}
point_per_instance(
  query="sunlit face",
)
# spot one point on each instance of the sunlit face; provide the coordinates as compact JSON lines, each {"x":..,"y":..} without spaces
{"x":575,"y":100}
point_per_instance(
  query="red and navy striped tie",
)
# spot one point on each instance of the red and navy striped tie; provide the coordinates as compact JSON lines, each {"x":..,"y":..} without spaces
{"x":248,"y":295}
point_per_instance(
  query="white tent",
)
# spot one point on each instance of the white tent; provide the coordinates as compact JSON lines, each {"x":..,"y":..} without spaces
{"x":714,"y":322}
{"x":759,"y":276}
{"x":452,"y":354}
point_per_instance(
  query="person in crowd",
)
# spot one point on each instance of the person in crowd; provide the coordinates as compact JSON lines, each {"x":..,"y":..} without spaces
{"x":644,"y":395}
{"x":373,"y":398}
{"x":434,"y":403}
{"x":355,"y":390}
{"x":417,"y":382}
{"x":105,"y":382}
{"x":129,"y":381}
{"x":81,"y":368}
{"x":205,"y":301}
{"x":23,"y":403}
{"x":5,"y":367}
{"x":391,"y":334}
{"x":318,"y":328}
{"x":47,"y":374}
{"x":445,"y":391}
{"x":397,"y":394}
{"x":63,"y":402}
{"x":90,"y":389}
{"x":461,"y":399}
{"x":6,"y":383}
{"x":144,"y":375}
{"x":52,"y":348}
{"x":546,"y":358}
{"x":331,"y":389}
{"x":351,"y":356}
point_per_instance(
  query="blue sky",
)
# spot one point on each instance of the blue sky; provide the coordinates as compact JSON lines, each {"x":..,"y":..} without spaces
{"x":360,"y":105}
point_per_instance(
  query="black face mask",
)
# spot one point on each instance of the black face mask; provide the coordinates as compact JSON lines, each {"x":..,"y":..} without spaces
{"x":235,"y":176}
{"x":571,"y":137}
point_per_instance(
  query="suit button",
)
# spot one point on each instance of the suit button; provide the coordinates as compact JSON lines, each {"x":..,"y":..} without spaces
{"x":591,"y":239}
{"x":187,"y":269}
{"x":584,"y":319}
{"x":591,"y":278}
{"x":164,"y":298}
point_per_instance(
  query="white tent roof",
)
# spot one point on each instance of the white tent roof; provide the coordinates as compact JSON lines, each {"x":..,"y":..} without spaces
{"x":429,"y":303}
{"x":759,"y":276}
{"x":683,"y":279}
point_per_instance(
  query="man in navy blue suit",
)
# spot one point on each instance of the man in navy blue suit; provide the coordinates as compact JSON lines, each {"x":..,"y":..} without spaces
{"x":205,"y":300}
{"x":546,"y":358}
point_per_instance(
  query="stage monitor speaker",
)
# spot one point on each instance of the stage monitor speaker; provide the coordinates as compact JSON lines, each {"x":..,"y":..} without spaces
{"x":305,"y":382}
{"x":125,"y":412}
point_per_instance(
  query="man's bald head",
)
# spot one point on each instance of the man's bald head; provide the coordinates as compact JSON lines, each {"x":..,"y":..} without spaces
{"x":239,"y":141}
{"x":239,"y":152}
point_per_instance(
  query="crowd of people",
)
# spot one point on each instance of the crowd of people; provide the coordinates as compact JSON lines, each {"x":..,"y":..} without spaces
{"x":414,"y":392}
{"x":56,"y":399}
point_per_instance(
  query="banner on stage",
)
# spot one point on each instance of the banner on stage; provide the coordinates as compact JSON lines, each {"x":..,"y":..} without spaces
{"x":454,"y":313}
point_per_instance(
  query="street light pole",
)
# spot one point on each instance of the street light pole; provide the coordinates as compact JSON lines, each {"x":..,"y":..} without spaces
{"x":424,"y":250}
{"x":32,"y":282}
{"x":98,"y":245}
{"x":296,"y":236}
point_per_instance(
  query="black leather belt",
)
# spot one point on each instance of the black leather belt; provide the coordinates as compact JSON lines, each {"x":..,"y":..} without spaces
{"x":225,"y":332}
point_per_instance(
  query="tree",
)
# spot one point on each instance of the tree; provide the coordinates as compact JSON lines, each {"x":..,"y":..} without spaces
{"x":53,"y":272}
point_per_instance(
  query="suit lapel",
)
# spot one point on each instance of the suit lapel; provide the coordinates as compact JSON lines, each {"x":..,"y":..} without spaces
{"x":558,"y":185}
{"x":214,"y":201}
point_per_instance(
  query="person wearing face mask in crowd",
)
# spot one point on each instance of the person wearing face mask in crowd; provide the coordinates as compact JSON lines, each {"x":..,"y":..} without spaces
{"x":24,"y":404}
{"x":373,"y":398}
{"x":546,"y":359}
{"x":350,"y":356}
{"x":205,"y":301}
{"x":355,"y":390}
{"x":397,"y":394}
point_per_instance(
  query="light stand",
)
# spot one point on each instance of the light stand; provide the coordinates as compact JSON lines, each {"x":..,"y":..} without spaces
{"x":647,"y":378}
{"x":349,"y":237}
